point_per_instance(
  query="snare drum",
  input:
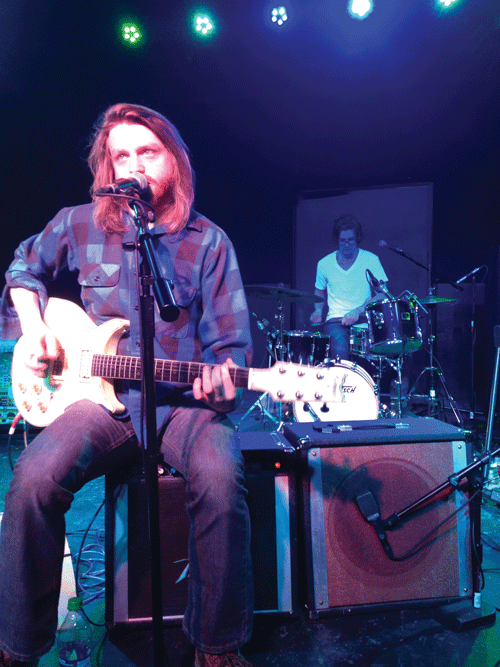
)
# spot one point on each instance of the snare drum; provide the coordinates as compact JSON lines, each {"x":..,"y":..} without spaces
{"x":357,"y":398}
{"x":304,"y":347}
{"x":393,"y":327}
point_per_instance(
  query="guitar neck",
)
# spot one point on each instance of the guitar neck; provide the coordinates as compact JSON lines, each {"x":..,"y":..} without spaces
{"x":165,"y":370}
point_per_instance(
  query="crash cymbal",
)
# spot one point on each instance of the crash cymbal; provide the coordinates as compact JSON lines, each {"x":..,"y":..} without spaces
{"x":282,"y":294}
{"x":431,"y":300}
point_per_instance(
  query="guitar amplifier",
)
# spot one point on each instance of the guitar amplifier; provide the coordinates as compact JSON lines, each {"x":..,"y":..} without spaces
{"x":393,"y":464}
{"x":270,"y":481}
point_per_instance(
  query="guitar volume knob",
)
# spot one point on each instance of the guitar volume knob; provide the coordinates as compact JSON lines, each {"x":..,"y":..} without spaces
{"x":27,"y":406}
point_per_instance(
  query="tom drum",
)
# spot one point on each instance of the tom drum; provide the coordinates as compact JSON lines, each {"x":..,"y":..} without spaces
{"x":393,"y":327}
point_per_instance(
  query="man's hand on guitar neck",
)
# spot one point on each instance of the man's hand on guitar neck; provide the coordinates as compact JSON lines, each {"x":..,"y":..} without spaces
{"x":216,"y":389}
{"x":39,"y":340}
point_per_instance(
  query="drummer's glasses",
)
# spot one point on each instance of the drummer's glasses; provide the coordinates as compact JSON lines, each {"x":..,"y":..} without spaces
{"x":348,"y":241}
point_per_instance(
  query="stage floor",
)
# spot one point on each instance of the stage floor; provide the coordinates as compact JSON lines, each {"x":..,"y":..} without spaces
{"x":406,"y":637}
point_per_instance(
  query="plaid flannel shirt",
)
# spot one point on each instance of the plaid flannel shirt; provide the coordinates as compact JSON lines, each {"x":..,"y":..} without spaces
{"x":200,"y":260}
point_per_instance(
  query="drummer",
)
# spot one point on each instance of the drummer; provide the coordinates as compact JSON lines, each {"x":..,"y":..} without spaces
{"x":341,"y":280}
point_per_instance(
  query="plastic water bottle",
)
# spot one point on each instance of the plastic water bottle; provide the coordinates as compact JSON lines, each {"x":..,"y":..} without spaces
{"x":74,"y":637}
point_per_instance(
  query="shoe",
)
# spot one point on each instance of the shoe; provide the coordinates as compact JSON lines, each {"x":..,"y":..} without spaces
{"x":220,"y":660}
{"x":7,"y":661}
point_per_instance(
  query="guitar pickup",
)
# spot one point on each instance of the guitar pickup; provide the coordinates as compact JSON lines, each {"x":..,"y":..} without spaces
{"x":86,"y":365}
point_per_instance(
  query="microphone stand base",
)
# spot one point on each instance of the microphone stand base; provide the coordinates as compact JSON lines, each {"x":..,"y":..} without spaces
{"x":461,"y":616}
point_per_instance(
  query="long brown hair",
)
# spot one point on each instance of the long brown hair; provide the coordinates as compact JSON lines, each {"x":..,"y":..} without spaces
{"x":108,"y":214}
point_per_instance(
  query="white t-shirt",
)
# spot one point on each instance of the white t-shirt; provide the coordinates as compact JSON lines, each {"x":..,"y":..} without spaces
{"x":347,"y":289}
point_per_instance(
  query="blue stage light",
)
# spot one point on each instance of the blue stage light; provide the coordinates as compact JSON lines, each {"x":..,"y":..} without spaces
{"x":279,"y":15}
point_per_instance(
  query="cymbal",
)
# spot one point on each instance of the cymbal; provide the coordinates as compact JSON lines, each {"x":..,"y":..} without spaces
{"x":432,"y":300}
{"x":282,"y":294}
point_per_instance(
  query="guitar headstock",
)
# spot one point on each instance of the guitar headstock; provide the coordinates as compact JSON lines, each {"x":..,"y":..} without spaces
{"x":287,"y":382}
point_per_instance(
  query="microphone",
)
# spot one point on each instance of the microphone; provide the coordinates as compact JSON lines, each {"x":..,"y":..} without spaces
{"x":136,"y":182}
{"x":461,"y":280}
{"x":384,"y":244}
{"x":370,"y":511}
{"x":262,"y":323}
{"x":372,"y":280}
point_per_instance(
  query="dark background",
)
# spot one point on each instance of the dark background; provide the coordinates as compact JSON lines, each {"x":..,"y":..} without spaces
{"x":409,"y":95}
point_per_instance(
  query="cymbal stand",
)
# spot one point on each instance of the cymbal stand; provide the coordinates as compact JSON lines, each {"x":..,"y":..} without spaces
{"x":397,"y":365}
{"x":280,"y":350}
{"x":435,"y":372}
{"x":279,"y":355}
{"x":260,"y":403}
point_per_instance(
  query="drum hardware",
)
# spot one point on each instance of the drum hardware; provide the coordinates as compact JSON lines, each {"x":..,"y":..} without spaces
{"x":265,"y":398}
{"x":277,"y":345}
{"x":435,"y":372}
{"x":281,"y":294}
{"x":472,"y":276}
{"x":434,"y":300}
{"x":397,"y":365}
{"x":352,"y":396}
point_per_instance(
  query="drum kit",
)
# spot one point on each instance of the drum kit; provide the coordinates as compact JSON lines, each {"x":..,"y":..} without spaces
{"x":391,"y":333}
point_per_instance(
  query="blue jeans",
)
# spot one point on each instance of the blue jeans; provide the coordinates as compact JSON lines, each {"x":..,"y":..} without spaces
{"x":339,"y":339}
{"x":86,"y":442}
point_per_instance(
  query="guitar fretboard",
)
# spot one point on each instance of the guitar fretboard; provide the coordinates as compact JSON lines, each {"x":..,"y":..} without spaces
{"x":166,"y":370}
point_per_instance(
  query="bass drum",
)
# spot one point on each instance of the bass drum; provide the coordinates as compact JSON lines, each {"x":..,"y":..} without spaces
{"x":358,"y":400}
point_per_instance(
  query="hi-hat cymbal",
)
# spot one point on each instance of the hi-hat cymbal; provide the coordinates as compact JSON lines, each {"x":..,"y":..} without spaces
{"x":282,"y":294}
{"x":431,"y":300}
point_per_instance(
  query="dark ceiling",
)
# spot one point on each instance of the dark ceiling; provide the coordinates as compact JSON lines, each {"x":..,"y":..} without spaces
{"x":409,"y":95}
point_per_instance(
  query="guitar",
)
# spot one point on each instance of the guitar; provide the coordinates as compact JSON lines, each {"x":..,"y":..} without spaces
{"x":88,"y":363}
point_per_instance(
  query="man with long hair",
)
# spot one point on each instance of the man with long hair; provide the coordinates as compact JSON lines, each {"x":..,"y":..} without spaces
{"x":196,"y":438}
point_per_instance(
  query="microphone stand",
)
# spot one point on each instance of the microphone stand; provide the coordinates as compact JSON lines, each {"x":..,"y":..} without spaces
{"x":169,"y":311}
{"x":455,"y":615}
{"x":150,"y":276}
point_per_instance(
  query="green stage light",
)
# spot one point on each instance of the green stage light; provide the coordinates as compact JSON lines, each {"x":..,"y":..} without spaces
{"x":131,"y":33}
{"x":203,"y":25}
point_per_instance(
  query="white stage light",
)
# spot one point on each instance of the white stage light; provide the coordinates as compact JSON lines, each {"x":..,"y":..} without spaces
{"x":359,"y":9}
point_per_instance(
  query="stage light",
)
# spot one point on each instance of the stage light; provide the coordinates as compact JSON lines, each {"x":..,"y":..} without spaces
{"x":204,"y":25}
{"x":447,"y":3}
{"x":131,"y":33}
{"x":279,"y":15}
{"x":360,"y":9}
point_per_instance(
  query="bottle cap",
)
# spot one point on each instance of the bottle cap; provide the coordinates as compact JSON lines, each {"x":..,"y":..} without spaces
{"x":74,"y":604}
